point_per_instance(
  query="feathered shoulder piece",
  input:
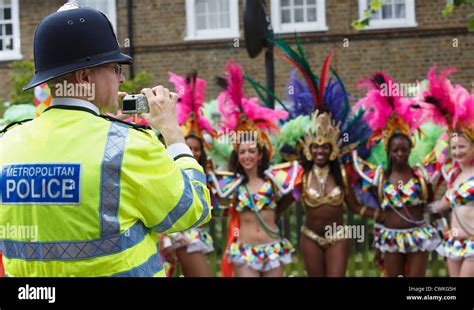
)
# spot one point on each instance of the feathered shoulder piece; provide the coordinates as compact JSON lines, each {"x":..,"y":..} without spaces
{"x":386,"y":111}
{"x":448,"y":105}
{"x":224,"y":183}
{"x":190,"y":90}
{"x":243,"y":116}
{"x":285,"y":176}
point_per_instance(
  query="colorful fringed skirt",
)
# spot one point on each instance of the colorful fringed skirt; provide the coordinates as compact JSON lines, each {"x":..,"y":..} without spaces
{"x":416,"y":239}
{"x":457,"y":249}
{"x":195,"y":239}
{"x":261,"y":257}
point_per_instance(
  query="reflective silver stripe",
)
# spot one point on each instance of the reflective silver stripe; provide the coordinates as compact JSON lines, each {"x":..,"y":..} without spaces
{"x":195,"y":175}
{"x":110,"y":179}
{"x":148,"y":269}
{"x":180,"y":209}
{"x":205,"y":212}
{"x":74,"y":250}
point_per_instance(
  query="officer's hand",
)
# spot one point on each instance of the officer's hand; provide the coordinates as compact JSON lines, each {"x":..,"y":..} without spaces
{"x":119,"y":114}
{"x":120,"y":95}
{"x":162,"y":114}
{"x":162,"y":105}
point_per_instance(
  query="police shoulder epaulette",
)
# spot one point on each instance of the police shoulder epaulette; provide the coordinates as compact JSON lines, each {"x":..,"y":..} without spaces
{"x":134,"y":126}
{"x":14,"y":124}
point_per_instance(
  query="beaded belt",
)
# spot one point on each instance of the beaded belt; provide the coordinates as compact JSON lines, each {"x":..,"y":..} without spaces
{"x":321,"y":241}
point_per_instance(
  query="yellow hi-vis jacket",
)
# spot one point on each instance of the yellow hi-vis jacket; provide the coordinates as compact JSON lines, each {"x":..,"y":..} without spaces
{"x":84,"y":196}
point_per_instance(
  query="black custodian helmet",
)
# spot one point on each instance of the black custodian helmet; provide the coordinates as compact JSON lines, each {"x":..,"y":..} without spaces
{"x":73,"y":39}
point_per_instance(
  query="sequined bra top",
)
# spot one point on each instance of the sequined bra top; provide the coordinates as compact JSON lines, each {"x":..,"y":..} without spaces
{"x":312,"y":198}
{"x":463,"y":194}
{"x":411,"y":194}
{"x":264,"y":199}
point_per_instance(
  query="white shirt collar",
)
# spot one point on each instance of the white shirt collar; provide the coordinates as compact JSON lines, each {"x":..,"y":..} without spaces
{"x":74,"y":102}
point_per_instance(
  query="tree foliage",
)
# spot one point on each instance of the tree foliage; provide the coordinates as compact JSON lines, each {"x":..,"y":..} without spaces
{"x":22,"y":72}
{"x":141,"y":80}
{"x":376,"y":5}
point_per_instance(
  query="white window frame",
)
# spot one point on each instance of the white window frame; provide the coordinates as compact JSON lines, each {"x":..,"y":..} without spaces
{"x":193,"y":34}
{"x":408,"y":22}
{"x":14,"y":54}
{"x":319,"y":25}
{"x":111,"y":13}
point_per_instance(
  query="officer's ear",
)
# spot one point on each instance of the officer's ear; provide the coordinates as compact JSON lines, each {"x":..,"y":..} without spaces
{"x":83,"y":76}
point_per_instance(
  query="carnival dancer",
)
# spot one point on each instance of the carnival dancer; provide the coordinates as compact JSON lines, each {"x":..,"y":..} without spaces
{"x":453,"y":107}
{"x":331,"y":134}
{"x":255,"y":246}
{"x":403,"y":236}
{"x":191,"y":246}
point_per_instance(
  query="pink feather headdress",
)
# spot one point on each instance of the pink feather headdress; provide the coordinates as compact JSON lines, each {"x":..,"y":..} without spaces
{"x":386,"y":110}
{"x":244,"y":115}
{"x":449,"y":106}
{"x":191,"y":99}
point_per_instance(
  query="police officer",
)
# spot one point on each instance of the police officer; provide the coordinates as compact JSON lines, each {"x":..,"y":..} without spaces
{"x":95,"y":190}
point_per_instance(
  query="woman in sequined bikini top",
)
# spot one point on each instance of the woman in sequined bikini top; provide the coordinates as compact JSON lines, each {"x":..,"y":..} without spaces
{"x":255,"y":205}
{"x":458,"y":248}
{"x":325,"y":189}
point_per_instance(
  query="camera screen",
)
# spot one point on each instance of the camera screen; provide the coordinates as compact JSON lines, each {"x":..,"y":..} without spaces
{"x":129,"y":105}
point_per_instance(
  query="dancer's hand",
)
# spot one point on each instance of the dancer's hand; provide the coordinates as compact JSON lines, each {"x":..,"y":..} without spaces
{"x":170,"y":255}
{"x":209,"y":165}
{"x":378,"y":259}
{"x":432,"y":207}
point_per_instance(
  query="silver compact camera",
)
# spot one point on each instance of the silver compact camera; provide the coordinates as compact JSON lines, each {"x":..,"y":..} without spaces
{"x":135,"y":104}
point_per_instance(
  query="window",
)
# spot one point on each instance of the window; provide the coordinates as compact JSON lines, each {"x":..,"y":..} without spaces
{"x":9,"y":30}
{"x":212,"y":19}
{"x":106,"y":6}
{"x":298,"y":15}
{"x":393,"y":14}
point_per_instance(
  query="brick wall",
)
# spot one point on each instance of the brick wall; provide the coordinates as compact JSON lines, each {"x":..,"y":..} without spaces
{"x":31,"y":13}
{"x":160,"y":26}
{"x":405,"y":53}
